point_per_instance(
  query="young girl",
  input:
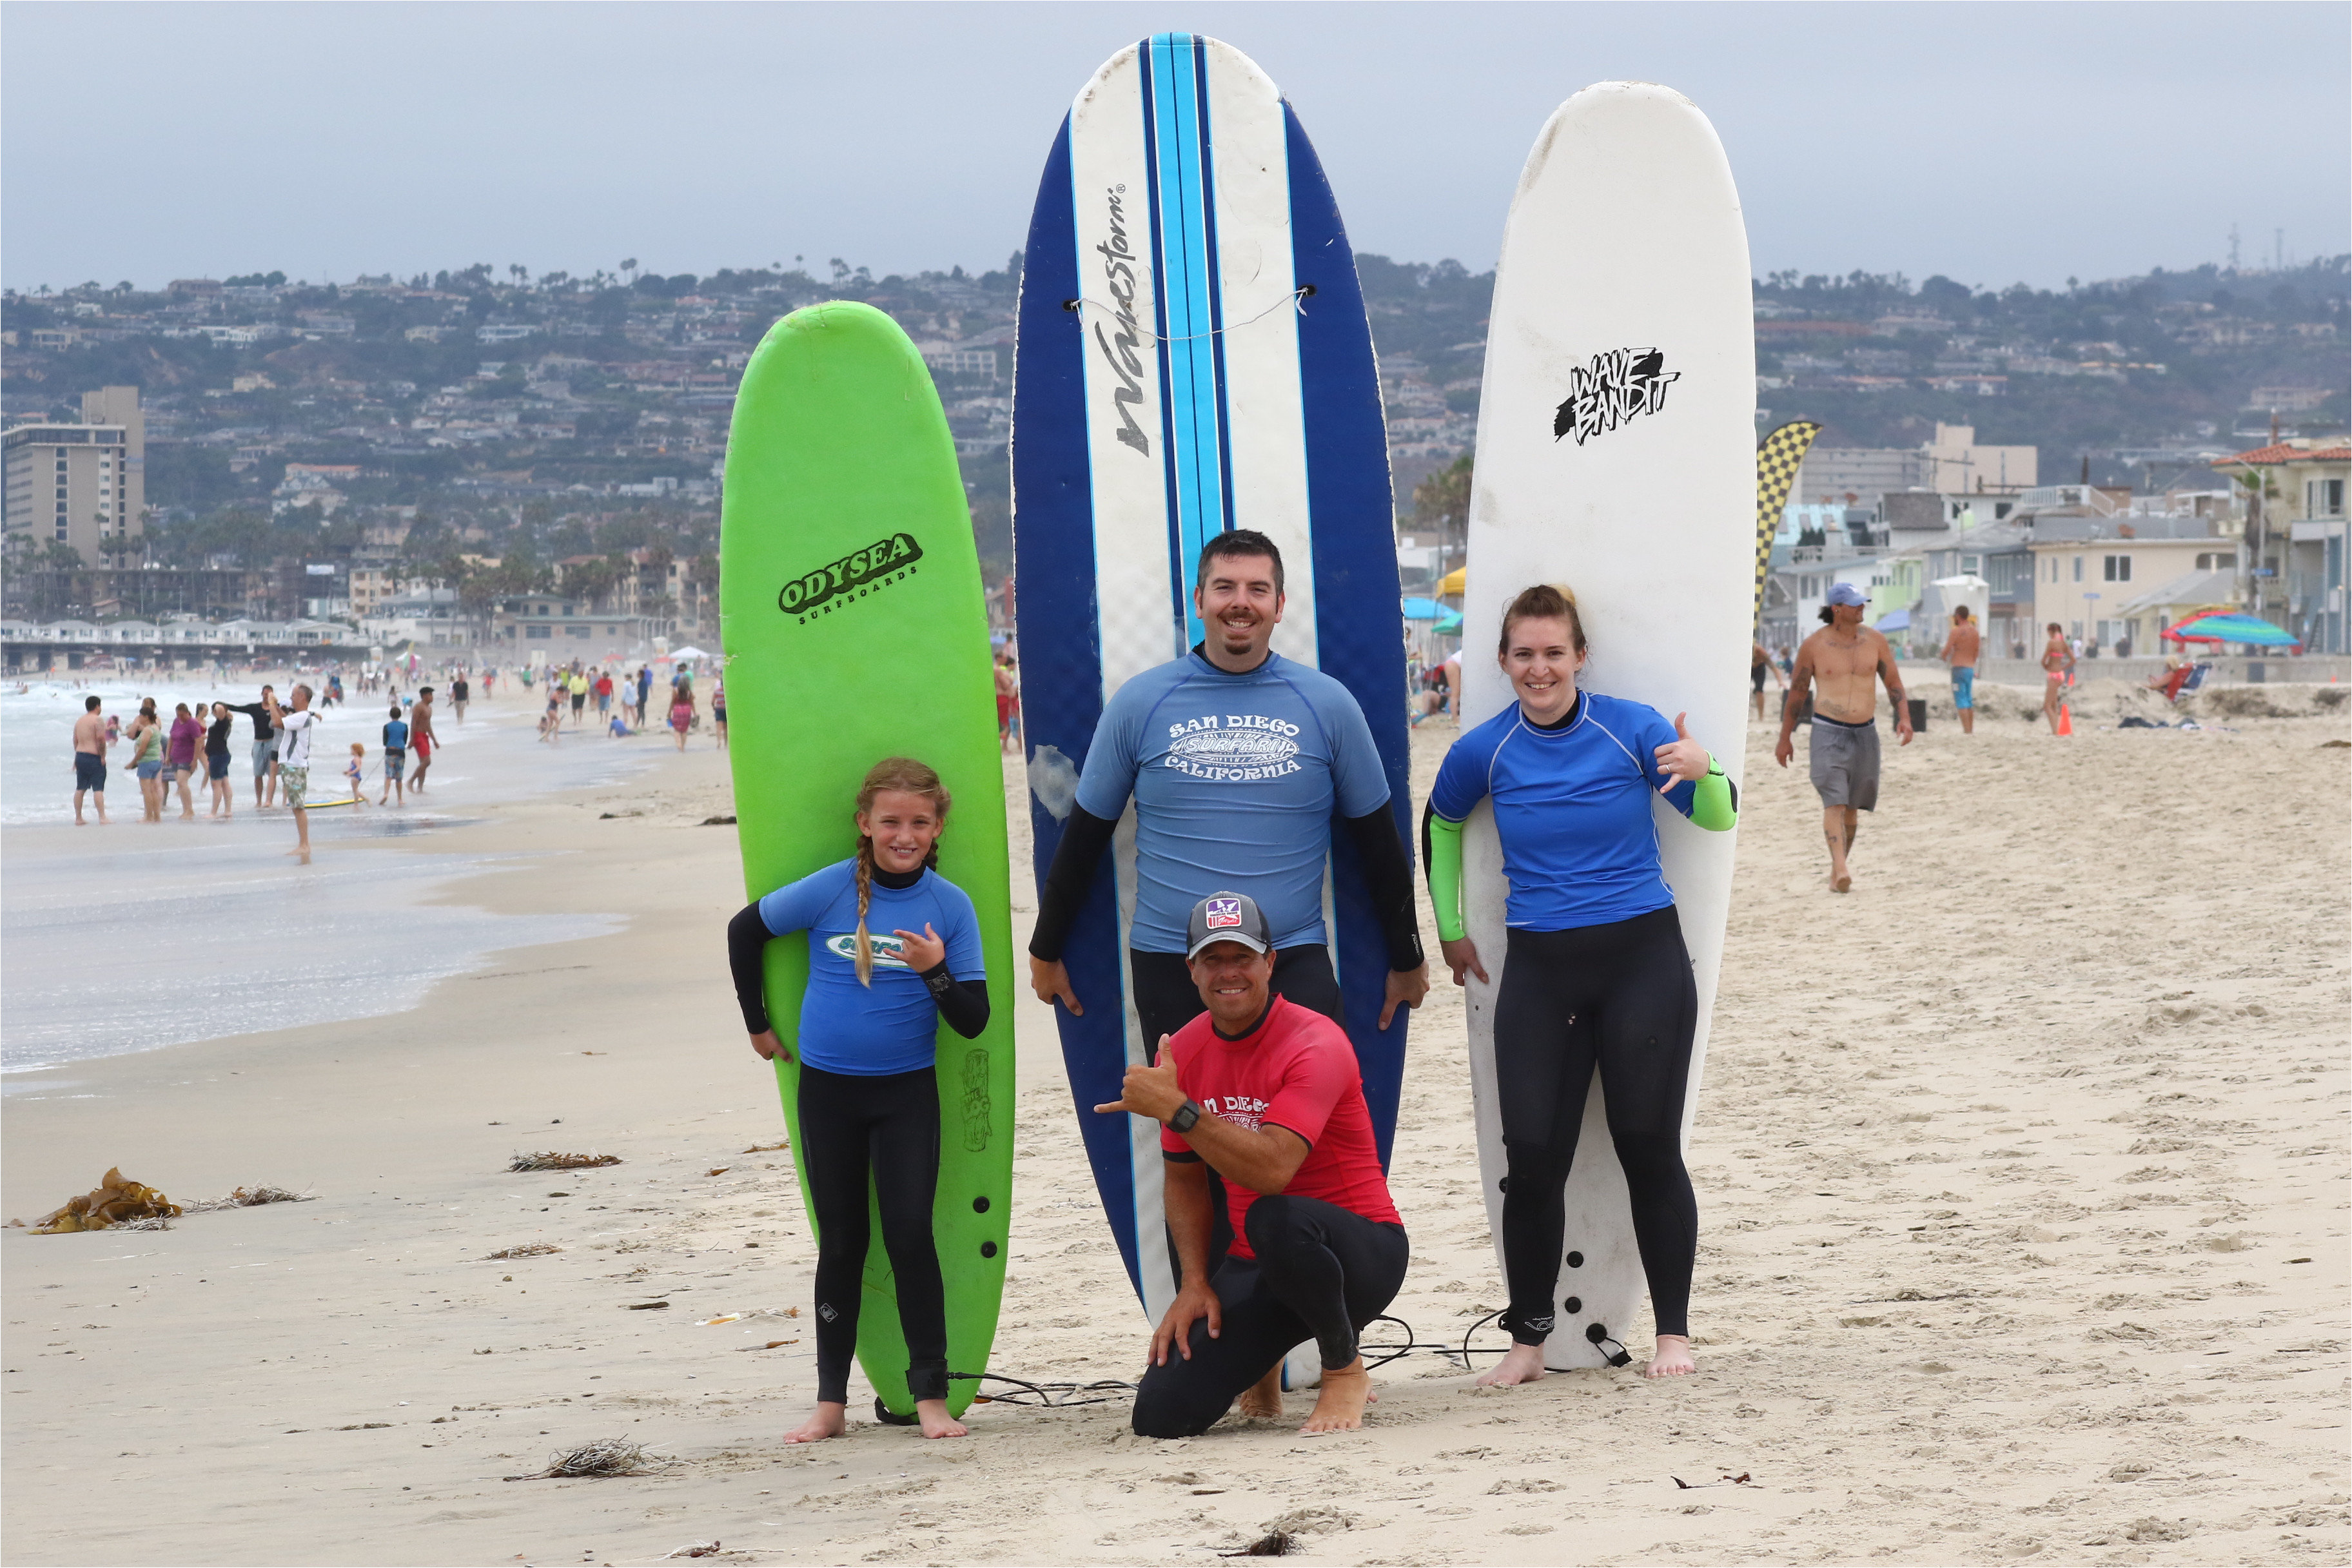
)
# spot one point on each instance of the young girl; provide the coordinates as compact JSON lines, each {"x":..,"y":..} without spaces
{"x":1595,"y":972}
{"x":869,"y":1096}
{"x":681,"y":708}
{"x":355,"y":775}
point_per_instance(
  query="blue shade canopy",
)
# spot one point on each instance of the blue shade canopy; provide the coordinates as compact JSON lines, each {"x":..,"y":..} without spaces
{"x":1450,"y":626}
{"x":2232,"y":628}
{"x":1424,"y":610}
{"x":1895,"y":621}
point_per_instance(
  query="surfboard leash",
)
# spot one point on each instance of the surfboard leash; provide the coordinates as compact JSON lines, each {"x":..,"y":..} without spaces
{"x":1297,"y":299}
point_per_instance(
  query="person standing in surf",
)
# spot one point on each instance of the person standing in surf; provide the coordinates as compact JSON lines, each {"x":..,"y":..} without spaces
{"x":1840,"y":667}
{"x":422,"y":741}
{"x":1597,"y":975}
{"x":869,"y":1095}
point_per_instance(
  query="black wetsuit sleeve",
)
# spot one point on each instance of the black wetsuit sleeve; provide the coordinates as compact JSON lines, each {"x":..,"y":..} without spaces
{"x":962,"y":1002}
{"x":1084,"y":839}
{"x":746,"y":943}
{"x":1388,"y":873}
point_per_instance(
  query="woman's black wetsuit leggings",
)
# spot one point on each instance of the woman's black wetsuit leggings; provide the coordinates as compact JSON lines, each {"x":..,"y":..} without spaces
{"x":888,"y":1124}
{"x":1619,"y":997}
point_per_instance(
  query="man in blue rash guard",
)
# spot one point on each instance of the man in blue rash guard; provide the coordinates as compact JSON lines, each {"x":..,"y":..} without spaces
{"x":1237,"y":759}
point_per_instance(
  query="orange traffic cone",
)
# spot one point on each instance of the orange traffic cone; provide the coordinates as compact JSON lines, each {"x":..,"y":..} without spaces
{"x":2066,"y":720}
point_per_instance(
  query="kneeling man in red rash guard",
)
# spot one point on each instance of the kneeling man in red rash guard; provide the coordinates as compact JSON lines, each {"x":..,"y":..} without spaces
{"x":1267,"y":1094}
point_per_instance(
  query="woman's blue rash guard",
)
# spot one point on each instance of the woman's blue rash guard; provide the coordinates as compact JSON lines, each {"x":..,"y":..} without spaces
{"x":1572,"y":808}
{"x":894,"y":1027}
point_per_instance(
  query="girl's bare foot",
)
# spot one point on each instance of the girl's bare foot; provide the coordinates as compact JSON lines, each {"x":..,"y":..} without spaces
{"x":1523,"y":1365}
{"x":831,"y":1420}
{"x":1262,"y":1401}
{"x":1339,"y":1407}
{"x":933,"y":1416}
{"x":1673,"y":1359}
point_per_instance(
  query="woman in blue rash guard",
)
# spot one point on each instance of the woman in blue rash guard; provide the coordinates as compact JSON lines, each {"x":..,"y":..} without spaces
{"x":1597,"y":973}
{"x":869,"y":1094}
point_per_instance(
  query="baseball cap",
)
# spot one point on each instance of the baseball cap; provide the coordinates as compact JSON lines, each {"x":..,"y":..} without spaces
{"x":1846,"y":594}
{"x":1227,"y":917}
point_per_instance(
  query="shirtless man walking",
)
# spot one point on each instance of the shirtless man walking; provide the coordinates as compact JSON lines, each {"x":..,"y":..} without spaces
{"x":1962,"y":645}
{"x":2057,"y":664}
{"x":422,"y":741}
{"x":1841,"y":664}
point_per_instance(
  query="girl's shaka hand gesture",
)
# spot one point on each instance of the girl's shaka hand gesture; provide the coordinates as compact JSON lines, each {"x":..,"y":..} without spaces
{"x":921,"y":953}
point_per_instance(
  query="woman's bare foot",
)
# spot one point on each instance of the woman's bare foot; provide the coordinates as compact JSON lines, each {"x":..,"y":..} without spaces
{"x":1840,"y":882}
{"x":1339,"y":1407}
{"x":831,"y":1420}
{"x":1523,"y":1365}
{"x":1673,"y":1360}
{"x":1262,"y":1400}
{"x":936,"y":1421}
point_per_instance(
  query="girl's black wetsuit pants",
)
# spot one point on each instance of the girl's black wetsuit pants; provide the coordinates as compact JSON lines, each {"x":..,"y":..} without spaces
{"x":888,"y":1124}
{"x":1618,"y":997}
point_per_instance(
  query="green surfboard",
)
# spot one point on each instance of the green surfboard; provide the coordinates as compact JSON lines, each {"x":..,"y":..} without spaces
{"x":855,"y":629}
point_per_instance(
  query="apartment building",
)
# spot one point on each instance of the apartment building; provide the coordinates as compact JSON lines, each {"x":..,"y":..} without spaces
{"x":83,"y":485}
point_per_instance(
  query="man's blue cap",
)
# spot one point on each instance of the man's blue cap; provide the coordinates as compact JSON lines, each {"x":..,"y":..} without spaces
{"x":1847,"y":593}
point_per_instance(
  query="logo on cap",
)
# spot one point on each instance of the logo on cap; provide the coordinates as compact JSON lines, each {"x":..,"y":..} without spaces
{"x":1224,"y":913}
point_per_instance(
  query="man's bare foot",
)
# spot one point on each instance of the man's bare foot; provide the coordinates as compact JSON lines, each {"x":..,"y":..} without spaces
{"x":1673,"y":1359}
{"x":936,"y":1421}
{"x":831,"y":1420}
{"x":1523,"y":1365}
{"x":1262,"y":1400}
{"x":1339,"y":1407}
{"x":1841,"y":880}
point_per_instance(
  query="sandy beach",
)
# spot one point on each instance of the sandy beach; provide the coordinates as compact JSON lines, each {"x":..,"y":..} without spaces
{"x":2021,"y":1174}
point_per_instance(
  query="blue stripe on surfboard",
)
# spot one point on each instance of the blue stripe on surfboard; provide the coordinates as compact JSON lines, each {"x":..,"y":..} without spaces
{"x":1351,"y":507}
{"x":1061,"y":675}
{"x":1180,"y":191}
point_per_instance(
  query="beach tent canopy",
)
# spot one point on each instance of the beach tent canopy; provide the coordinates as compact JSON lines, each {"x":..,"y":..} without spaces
{"x":688,"y":652}
{"x":1424,"y":610}
{"x":1456,"y":581}
{"x":1895,"y":621}
{"x":2231,"y":628}
{"x":1451,"y":626}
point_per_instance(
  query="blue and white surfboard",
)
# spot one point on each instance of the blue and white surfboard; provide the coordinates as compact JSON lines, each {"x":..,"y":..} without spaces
{"x":1193,"y":357}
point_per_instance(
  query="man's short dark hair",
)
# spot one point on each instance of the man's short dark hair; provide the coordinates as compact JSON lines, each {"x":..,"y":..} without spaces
{"x":1238,"y":541}
{"x":90,"y":704}
{"x":1961,"y":613}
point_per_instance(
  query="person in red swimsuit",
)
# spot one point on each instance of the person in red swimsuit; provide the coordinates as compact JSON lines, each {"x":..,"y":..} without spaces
{"x":1268,"y":1095}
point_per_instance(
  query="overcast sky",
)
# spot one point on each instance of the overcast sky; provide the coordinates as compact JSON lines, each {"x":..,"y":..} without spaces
{"x":1991,"y":143}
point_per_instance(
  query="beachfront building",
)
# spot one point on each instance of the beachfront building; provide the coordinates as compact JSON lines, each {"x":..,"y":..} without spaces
{"x":81,"y":485}
{"x":2086,"y":579}
{"x":2295,"y":536}
{"x":563,"y":630}
{"x":425,"y":616}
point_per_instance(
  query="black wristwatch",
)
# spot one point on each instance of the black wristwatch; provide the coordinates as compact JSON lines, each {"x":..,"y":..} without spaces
{"x":1186,"y":1115}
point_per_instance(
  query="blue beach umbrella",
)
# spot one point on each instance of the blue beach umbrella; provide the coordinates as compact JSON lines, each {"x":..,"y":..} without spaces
{"x":2232,"y":628}
{"x":1895,"y":621}
{"x":1422,"y":610}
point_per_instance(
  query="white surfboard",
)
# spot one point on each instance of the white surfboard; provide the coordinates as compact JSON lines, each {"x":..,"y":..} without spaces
{"x":1617,"y":457}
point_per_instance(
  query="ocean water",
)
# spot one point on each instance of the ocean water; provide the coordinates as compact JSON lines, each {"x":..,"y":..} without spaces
{"x":136,"y":936}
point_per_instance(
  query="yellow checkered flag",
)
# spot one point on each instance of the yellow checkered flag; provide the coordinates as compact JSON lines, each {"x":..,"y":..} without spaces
{"x":1776,"y":461}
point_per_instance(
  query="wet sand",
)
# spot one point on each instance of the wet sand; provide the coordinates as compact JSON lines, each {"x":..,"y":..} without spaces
{"x":2009,"y":1163}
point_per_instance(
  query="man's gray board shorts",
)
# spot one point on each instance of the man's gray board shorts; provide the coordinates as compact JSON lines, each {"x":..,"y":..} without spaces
{"x":1844,"y":760}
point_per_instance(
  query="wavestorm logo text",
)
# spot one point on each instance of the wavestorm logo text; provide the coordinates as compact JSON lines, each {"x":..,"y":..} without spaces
{"x":856,"y":574}
{"x":1119,"y":349}
{"x":1612,"y":389}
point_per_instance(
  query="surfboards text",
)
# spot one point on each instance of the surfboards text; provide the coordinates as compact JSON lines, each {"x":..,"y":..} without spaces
{"x":855,"y":575}
{"x":1612,"y":389}
{"x":1118,"y":350}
